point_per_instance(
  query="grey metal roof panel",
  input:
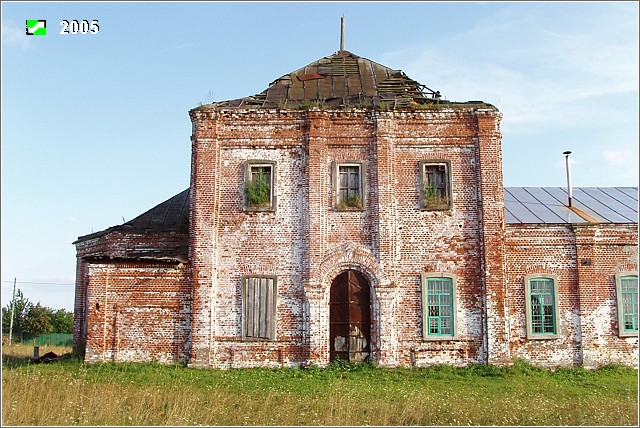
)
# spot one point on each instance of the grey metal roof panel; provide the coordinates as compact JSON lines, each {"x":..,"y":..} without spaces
{"x":628,"y":200}
{"x":510,"y":218}
{"x":544,"y":206}
{"x":548,"y":205}
{"x":515,"y":201}
{"x":561,"y":197}
{"x":607,"y":207}
{"x":631,"y":192}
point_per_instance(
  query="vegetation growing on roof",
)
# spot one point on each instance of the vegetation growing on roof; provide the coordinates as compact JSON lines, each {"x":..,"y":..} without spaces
{"x":342,"y":81}
{"x":312,"y":104}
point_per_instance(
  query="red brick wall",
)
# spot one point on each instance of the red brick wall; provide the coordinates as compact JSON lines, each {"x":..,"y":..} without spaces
{"x":306,"y":242}
{"x":135,"y":310}
{"x":585,"y":260}
{"x":114,"y":245}
{"x":138,"y":311}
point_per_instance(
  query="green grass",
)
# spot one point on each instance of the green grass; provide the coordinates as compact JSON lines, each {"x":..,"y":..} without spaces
{"x":73,"y":393}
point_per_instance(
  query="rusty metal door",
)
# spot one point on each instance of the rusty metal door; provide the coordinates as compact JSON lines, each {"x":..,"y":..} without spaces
{"x":349,"y":317}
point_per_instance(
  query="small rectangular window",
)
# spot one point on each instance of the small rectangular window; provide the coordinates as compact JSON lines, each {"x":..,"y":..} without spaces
{"x":541,"y":306}
{"x":542,"y":314}
{"x":435,"y":187}
{"x":349,"y":186}
{"x":259,"y":308}
{"x":627,"y":299}
{"x":258,"y":187}
{"x":438,"y":306}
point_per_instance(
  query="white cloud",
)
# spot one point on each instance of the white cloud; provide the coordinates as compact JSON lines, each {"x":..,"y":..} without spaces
{"x":538,"y":68}
{"x":619,"y":158}
{"x":14,"y":35}
{"x":564,"y":75}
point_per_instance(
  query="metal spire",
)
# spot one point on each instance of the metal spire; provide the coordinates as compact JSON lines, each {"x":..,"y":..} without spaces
{"x":342,"y":34}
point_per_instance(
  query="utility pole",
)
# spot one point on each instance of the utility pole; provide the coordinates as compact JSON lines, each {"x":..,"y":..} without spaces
{"x":13,"y":306}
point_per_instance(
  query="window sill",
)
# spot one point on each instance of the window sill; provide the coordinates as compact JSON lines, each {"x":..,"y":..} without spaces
{"x":543,"y":336}
{"x":628,"y":334}
{"x":348,"y":209}
{"x":434,"y":207}
{"x":259,"y":209}
{"x":257,"y":339}
{"x":439,"y":338}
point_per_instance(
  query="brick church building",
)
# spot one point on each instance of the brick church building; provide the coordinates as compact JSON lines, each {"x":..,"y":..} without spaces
{"x":350,"y":212}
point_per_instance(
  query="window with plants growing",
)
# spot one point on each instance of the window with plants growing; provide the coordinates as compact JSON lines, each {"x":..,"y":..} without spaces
{"x":435,"y":187}
{"x":627,"y":299}
{"x":438,"y":306}
{"x":349,"y":186}
{"x":258,"y":186}
{"x":541,"y":306}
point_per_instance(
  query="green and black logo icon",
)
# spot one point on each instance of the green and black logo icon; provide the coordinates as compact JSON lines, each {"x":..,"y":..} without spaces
{"x":36,"y":27}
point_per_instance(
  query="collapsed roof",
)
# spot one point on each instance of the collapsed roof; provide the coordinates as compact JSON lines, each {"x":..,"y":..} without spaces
{"x":339,"y":80}
{"x":171,"y":215}
{"x":167,"y":219}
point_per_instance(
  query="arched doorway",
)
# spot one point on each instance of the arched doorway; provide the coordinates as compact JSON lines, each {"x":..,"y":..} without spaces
{"x":350,"y":317}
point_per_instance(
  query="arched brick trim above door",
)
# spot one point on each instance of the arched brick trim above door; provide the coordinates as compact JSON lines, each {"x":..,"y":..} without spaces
{"x":348,"y":255}
{"x":351,"y":256}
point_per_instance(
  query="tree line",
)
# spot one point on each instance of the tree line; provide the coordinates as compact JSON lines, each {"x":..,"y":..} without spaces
{"x":34,"y":319}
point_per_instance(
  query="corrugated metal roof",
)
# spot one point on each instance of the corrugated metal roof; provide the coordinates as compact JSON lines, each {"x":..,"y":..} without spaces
{"x":339,"y":80}
{"x":548,"y":205}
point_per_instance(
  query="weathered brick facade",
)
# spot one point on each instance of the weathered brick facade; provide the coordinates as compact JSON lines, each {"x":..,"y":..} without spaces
{"x":585,"y":259}
{"x":135,"y":305}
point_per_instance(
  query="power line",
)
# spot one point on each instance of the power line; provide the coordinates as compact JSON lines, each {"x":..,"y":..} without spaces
{"x":42,"y":283}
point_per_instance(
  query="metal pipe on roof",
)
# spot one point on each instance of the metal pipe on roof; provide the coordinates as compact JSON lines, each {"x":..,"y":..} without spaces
{"x":342,"y":33}
{"x":566,"y":157}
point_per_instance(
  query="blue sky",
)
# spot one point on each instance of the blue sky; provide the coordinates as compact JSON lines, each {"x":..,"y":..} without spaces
{"x":95,"y":128}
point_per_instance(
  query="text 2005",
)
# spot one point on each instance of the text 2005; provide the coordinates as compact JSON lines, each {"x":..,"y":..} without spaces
{"x":82,"y":27}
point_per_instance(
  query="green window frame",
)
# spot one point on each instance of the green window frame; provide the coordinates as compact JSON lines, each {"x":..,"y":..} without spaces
{"x":541,"y":306}
{"x":439,"y":306}
{"x":627,"y":303}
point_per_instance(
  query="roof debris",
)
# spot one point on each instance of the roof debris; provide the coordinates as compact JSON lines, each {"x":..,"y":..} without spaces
{"x":49,"y":357}
{"x":340,"y":80}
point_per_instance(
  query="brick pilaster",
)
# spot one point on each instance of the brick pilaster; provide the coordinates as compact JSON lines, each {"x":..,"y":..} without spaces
{"x":318,"y":126}
{"x":385,"y":234}
{"x":491,"y":191}
{"x":204,"y":213}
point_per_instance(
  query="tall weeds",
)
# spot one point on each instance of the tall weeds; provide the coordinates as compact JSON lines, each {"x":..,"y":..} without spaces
{"x":74,"y":393}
